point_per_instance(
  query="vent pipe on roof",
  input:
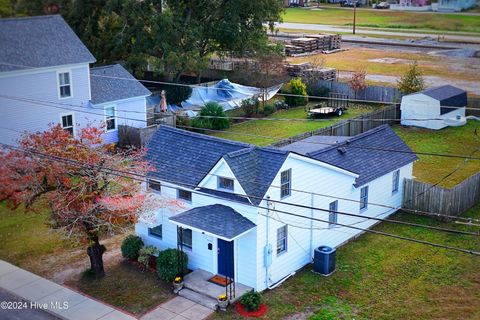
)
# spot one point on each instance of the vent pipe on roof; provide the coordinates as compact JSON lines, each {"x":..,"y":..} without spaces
{"x":342,"y":150}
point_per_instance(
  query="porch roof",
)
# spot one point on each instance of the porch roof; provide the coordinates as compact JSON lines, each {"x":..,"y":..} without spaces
{"x":218,"y":220}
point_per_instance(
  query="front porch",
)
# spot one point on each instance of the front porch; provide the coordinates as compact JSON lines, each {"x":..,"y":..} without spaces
{"x":198,"y":288}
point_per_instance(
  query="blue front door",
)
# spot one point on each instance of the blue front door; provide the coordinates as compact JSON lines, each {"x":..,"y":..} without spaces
{"x":225,"y":258}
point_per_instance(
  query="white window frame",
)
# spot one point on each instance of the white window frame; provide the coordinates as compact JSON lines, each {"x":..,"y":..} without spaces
{"x":186,"y":246}
{"x":155,"y":235}
{"x":69,"y":71}
{"x":73,"y":121}
{"x":153,"y":181}
{"x":333,"y":214}
{"x":364,"y":199}
{"x":284,"y":239}
{"x":183,"y":199}
{"x":289,"y":183}
{"x":114,"y":117}
{"x":395,"y":181}
{"x":225,"y":189}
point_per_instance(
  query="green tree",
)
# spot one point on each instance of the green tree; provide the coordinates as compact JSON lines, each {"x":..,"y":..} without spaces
{"x":218,"y":120}
{"x":298,"y":91}
{"x":412,"y":81}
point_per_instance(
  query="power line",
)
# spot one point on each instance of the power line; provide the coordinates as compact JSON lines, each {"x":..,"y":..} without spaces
{"x":418,"y":212}
{"x":53,"y":105}
{"x":145,"y":178}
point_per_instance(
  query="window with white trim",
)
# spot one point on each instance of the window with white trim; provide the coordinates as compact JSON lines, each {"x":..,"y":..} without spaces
{"x":156,"y":232}
{"x":395,"y":181}
{"x":332,"y":213}
{"x":184,"y":195}
{"x":154,"y":185}
{"x":282,"y":236}
{"x":110,"y":121}
{"x":364,"y":198}
{"x":185,"y":238}
{"x":64,"y":85}
{"x":225,"y":183}
{"x":67,"y":123}
{"x":286,"y":183}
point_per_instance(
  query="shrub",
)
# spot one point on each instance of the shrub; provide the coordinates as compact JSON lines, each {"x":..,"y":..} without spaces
{"x":412,"y":81}
{"x":251,"y":300}
{"x":280,"y":104}
{"x":145,"y":254}
{"x":269,"y":109}
{"x":250,"y":106}
{"x":298,"y":88}
{"x":218,"y":120}
{"x":318,"y":91}
{"x":168,"y":264}
{"x":131,"y":246}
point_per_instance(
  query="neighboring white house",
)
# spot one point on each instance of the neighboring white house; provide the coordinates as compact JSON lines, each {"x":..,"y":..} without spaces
{"x":231,"y":223}
{"x":434,"y":108}
{"x":45,"y":78}
{"x":453,"y":5}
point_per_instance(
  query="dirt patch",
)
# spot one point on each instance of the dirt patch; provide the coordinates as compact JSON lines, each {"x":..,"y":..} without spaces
{"x":309,"y":311}
{"x":391,"y":61}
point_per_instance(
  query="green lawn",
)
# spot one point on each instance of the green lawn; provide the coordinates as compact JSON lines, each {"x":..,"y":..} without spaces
{"x":26,"y":241}
{"x":385,"y":278}
{"x":126,"y":287}
{"x":386,"y":19}
{"x":453,"y":140}
{"x":284,"y":129}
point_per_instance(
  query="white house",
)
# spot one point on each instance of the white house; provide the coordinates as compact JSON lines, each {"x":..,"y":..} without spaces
{"x":45,"y":78}
{"x":434,"y":108}
{"x":237,"y":221}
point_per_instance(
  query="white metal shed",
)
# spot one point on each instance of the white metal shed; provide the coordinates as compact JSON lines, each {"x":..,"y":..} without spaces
{"x":434,"y":108}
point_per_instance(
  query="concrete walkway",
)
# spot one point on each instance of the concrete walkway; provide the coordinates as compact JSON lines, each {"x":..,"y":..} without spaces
{"x":178,"y":308}
{"x":55,"y":299}
{"x":64,"y":303}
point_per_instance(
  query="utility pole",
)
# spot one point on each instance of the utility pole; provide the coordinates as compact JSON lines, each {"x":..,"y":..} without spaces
{"x":354,"y":14}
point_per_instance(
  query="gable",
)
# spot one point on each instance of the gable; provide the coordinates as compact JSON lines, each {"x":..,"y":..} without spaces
{"x":221,"y":169}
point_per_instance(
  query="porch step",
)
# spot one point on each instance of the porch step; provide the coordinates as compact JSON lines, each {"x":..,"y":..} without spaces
{"x":199,"y":298}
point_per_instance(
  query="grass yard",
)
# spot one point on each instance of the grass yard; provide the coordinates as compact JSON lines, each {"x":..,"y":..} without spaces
{"x":126,"y":287}
{"x":386,"y":19}
{"x":454,"y":140}
{"x":284,"y":129}
{"x":385,"y":278}
{"x":396,"y":63}
{"x":26,"y":241}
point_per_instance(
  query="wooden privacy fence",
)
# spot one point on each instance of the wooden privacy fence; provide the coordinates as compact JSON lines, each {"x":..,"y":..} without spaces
{"x":350,"y":127}
{"x":425,"y":197}
{"x":371,"y":93}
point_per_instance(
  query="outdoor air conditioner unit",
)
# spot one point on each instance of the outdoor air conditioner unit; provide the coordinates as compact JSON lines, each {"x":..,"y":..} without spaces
{"x":324,"y":260}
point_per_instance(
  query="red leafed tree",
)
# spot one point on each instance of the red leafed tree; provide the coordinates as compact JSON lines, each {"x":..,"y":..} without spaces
{"x":358,"y":82}
{"x":90,"y":189}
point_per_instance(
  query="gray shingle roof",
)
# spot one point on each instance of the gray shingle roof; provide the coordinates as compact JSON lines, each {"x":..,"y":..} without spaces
{"x":354,"y":154}
{"x":217,"y":219}
{"x":106,"y":86}
{"x":313,"y":143}
{"x":185,"y":157}
{"x":42,"y":41}
{"x":255,"y":168}
{"x":450,"y":97}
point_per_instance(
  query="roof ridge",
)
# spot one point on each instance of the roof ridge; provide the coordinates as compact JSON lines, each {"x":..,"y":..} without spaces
{"x":46,"y":16}
{"x":107,"y":66}
{"x":346,"y":142}
{"x":203,"y":136}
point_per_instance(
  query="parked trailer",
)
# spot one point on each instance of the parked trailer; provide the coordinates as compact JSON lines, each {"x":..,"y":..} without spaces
{"x":337,"y":104}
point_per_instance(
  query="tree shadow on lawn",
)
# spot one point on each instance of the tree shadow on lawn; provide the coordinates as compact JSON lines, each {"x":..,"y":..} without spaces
{"x":125,"y":286}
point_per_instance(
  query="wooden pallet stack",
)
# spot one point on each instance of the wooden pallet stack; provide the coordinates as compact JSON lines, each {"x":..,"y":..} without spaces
{"x":327,"y":74}
{"x":323,"y":41}
{"x":307,"y":44}
{"x":335,"y":41}
{"x":297,"y":69}
{"x":293,"y":50}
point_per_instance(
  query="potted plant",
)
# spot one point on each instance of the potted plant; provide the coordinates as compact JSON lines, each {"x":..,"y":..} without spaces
{"x":222,"y":302}
{"x":177,"y":284}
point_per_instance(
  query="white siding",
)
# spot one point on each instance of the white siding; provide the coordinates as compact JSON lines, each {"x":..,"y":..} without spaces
{"x":39,"y":85}
{"x":221,"y":169}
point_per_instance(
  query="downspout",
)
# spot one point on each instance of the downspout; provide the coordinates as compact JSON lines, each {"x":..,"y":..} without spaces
{"x":267,"y":248}
{"x":312,"y":204}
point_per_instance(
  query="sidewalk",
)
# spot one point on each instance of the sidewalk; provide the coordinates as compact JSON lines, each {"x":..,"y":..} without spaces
{"x":53,"y":298}
{"x":67,"y":304}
